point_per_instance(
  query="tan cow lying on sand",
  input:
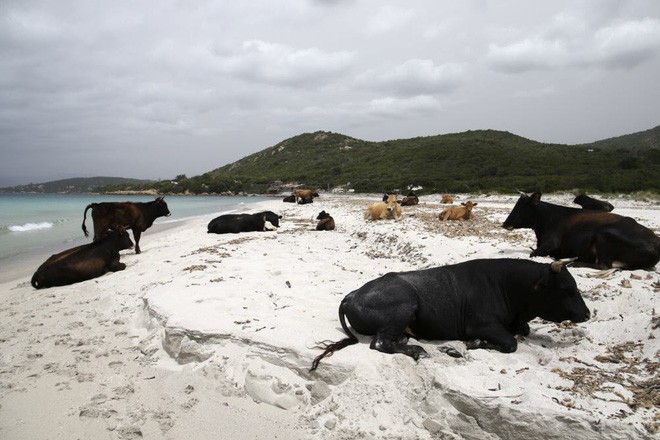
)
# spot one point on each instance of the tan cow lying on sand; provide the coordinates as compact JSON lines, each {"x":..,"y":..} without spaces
{"x":304,"y":194}
{"x":384,"y":210}
{"x":447,"y":198}
{"x":463,"y":212}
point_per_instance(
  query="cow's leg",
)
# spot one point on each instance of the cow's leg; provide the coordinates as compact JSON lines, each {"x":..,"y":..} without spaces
{"x":136,"y":236}
{"x":545,"y":248}
{"x":494,"y":337}
{"x":116,"y":266}
{"x":394,"y":340}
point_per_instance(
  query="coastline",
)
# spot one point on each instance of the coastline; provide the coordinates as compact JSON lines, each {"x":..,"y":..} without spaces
{"x":201,"y":327}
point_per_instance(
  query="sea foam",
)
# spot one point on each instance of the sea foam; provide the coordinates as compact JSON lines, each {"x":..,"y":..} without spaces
{"x":30,"y":227}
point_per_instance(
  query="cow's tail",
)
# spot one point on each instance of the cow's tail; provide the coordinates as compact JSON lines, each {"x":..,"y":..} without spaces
{"x":35,"y":281}
{"x":84,"y":228}
{"x":330,"y":347}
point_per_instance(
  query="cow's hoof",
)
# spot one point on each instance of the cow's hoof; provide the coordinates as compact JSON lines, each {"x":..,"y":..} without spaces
{"x":451,"y":351}
{"x":416,"y":352}
{"x":473,"y":344}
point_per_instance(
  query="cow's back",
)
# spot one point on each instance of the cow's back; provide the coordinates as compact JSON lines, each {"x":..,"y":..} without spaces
{"x":441,"y":303}
{"x":454,"y":299}
{"x":108,"y":215}
{"x":234,"y":223}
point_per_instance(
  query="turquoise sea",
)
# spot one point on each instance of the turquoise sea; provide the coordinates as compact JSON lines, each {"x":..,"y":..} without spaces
{"x":35,"y":226}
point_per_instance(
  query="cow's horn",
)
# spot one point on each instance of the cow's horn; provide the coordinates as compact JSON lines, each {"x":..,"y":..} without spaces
{"x":522,"y":193}
{"x":556,"y":265}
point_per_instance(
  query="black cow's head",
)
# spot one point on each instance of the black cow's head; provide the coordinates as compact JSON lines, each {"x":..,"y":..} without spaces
{"x":322,"y":215}
{"x":523,"y":213}
{"x":556,"y":297}
{"x":119,"y":236}
{"x":270,"y":218}
{"x":161,"y":208}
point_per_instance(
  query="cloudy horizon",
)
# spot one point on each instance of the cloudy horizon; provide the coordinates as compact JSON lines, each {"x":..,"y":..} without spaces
{"x":156,"y":89}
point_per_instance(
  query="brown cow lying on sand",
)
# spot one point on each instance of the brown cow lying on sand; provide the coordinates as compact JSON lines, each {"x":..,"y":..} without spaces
{"x":305,"y":195}
{"x":326,"y":222}
{"x":83,"y":262}
{"x":447,"y":198}
{"x":384,"y":210}
{"x":463,"y":212}
{"x":410,"y":200}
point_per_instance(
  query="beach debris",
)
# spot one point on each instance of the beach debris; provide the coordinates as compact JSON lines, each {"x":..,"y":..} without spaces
{"x":195,"y":267}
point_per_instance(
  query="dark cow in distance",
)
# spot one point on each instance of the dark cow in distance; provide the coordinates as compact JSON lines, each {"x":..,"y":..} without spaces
{"x":484,"y":302}
{"x":83,"y":262}
{"x":326,"y":222}
{"x":594,"y":204}
{"x":138,"y":216}
{"x":235,"y":223}
{"x":598,"y":239}
{"x":289,"y":199}
{"x":410,"y":200}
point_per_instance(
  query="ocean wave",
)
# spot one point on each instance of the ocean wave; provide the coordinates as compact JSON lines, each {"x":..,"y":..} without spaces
{"x":30,"y":227}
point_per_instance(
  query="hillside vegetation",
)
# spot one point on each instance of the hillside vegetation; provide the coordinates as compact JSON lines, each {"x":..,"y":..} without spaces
{"x":482,"y":160}
{"x":77,"y":185}
{"x":472,"y":161}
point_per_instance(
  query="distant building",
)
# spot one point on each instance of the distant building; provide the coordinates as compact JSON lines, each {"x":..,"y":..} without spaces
{"x":277,"y":187}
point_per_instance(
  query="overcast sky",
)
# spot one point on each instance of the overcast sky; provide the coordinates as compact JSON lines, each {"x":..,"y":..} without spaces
{"x":152,"y":89}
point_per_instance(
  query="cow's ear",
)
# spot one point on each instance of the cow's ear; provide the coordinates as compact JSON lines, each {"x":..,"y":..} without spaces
{"x":463,"y":203}
{"x":474,"y":204}
{"x":536,"y":197}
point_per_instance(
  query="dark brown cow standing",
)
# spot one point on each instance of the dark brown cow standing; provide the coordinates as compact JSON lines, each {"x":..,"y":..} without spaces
{"x":83,"y":262}
{"x":137,"y":216}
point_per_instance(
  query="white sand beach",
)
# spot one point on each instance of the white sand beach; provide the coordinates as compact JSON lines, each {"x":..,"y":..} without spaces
{"x":211,"y":336}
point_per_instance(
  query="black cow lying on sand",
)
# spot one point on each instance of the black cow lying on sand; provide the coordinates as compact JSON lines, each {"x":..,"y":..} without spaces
{"x":600,"y":239}
{"x":235,"y":223}
{"x":289,"y":199}
{"x":326,"y":222}
{"x":138,"y":216}
{"x":83,"y":262}
{"x":484,"y":302}
{"x":594,"y":204}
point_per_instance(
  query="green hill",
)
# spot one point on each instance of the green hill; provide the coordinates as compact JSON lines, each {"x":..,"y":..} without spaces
{"x":77,"y":185}
{"x":481,"y":160}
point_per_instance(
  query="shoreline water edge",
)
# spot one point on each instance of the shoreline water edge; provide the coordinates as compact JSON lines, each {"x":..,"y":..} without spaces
{"x":212,"y":336}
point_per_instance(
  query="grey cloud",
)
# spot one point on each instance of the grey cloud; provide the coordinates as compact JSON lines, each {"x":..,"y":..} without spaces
{"x":158,"y":88}
{"x":415,"y":77}
{"x":569,"y":43}
{"x":279,"y":64}
{"x":388,"y":18}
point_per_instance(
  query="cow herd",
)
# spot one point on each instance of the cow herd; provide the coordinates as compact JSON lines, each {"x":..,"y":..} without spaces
{"x":484,"y":302}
